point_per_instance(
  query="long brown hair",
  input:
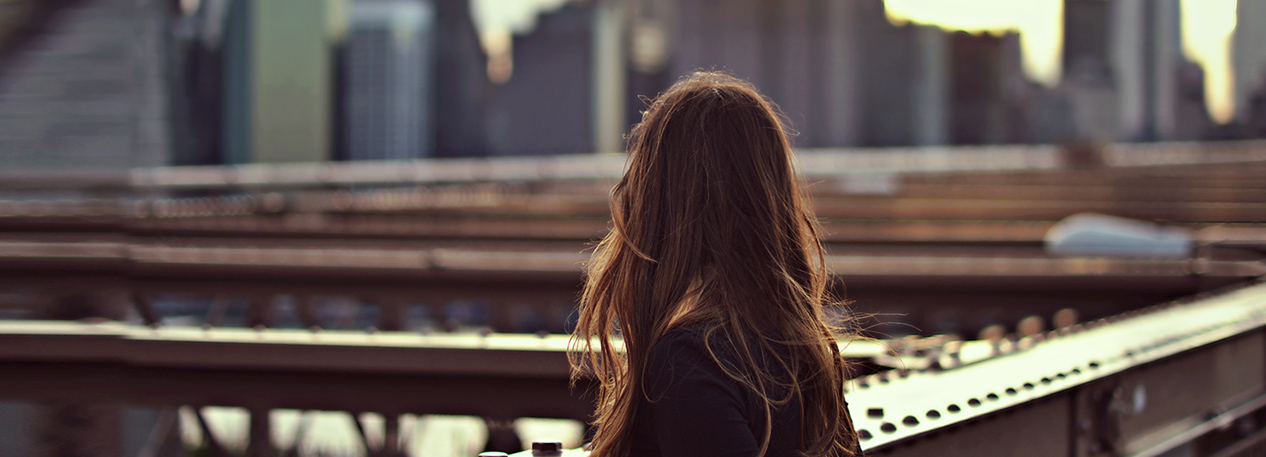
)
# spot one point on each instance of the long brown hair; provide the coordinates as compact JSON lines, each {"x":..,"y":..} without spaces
{"x":710,"y":230}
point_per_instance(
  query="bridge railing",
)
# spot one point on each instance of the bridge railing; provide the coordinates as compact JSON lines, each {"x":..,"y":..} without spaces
{"x":1187,"y":376}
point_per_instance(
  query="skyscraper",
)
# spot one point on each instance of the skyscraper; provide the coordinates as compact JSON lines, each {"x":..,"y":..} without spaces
{"x":1122,"y":60}
{"x":1249,"y":53}
{"x":85,"y":91}
{"x":983,"y":73}
{"x":1164,"y":60}
{"x":387,"y":82}
{"x":461,"y":82}
{"x":278,"y":81}
{"x":903,"y":88}
{"x":803,"y":54}
{"x":1086,"y":31}
{"x":1128,"y":53}
{"x":1088,"y":75}
{"x":546,"y":105}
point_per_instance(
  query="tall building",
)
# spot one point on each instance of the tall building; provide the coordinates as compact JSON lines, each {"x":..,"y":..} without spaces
{"x":1163,"y":49}
{"x":387,"y":81}
{"x":278,"y":80}
{"x":1129,"y":54}
{"x":1016,"y":90}
{"x":801,"y":53}
{"x":1248,"y":54}
{"x":462,"y":89}
{"x":1048,"y":114}
{"x":982,"y":89}
{"x":84,"y":91}
{"x":1086,"y":33}
{"x":1122,"y":66}
{"x":608,"y":80}
{"x":814,"y":69}
{"x":545,"y":107}
{"x":651,"y":29}
{"x":1088,"y":75}
{"x":194,"y":86}
{"x":723,"y":35}
{"x":903,"y":90}
{"x":1191,"y":113}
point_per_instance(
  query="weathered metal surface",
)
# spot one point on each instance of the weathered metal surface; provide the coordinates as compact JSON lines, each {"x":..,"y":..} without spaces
{"x":1120,"y":386}
{"x":1114,"y":388}
{"x":595,"y":205}
{"x":1189,"y":378}
{"x":502,"y":376}
{"x":159,"y":260}
{"x":514,"y":276}
{"x":509,"y":355}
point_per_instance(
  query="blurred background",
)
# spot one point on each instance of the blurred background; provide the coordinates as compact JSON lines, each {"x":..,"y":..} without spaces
{"x":357,"y":227}
{"x":233,"y":82}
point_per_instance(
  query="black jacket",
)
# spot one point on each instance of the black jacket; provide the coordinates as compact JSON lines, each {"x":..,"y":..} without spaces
{"x":700,"y":411}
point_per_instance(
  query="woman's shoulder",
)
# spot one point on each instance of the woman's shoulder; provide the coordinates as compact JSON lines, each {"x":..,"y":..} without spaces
{"x":692,"y":350}
{"x":690,"y":340}
{"x":687,"y":358}
{"x":677,"y":343}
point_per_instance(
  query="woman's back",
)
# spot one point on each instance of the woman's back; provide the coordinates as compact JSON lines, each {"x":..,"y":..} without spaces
{"x":711,"y":237}
{"x":695,"y":409}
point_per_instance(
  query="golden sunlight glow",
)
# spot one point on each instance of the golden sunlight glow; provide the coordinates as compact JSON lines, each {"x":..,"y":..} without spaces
{"x":1040,"y":23}
{"x":498,"y":21}
{"x":1206,"y":28}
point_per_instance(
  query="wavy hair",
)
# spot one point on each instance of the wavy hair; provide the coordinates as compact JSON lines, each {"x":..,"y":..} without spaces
{"x":710,"y":229}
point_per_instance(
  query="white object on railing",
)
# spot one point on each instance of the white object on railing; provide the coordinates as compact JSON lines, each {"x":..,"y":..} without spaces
{"x":1100,"y":235}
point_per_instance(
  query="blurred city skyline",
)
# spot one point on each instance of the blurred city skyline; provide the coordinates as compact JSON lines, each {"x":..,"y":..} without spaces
{"x":275,"y":81}
{"x":1207,"y":27}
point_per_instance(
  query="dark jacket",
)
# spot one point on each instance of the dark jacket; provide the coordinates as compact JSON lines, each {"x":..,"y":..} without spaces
{"x":700,"y":411}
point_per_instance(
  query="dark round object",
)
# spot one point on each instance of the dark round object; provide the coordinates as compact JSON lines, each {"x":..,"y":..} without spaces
{"x":934,"y":414}
{"x":887,"y":427}
{"x":910,"y":421}
{"x":953,"y":408}
{"x":973,"y":402}
{"x":546,"y":446}
{"x":864,"y":434}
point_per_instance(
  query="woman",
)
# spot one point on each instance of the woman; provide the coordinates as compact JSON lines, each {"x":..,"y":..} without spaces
{"x":714,"y":278}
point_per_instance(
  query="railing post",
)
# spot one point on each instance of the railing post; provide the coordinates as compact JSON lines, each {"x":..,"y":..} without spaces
{"x":214,"y":449}
{"x":391,"y":313}
{"x":260,"y":444}
{"x":502,"y":436}
{"x":259,"y":311}
{"x":146,"y":308}
{"x":303,"y":307}
{"x":391,"y":435}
